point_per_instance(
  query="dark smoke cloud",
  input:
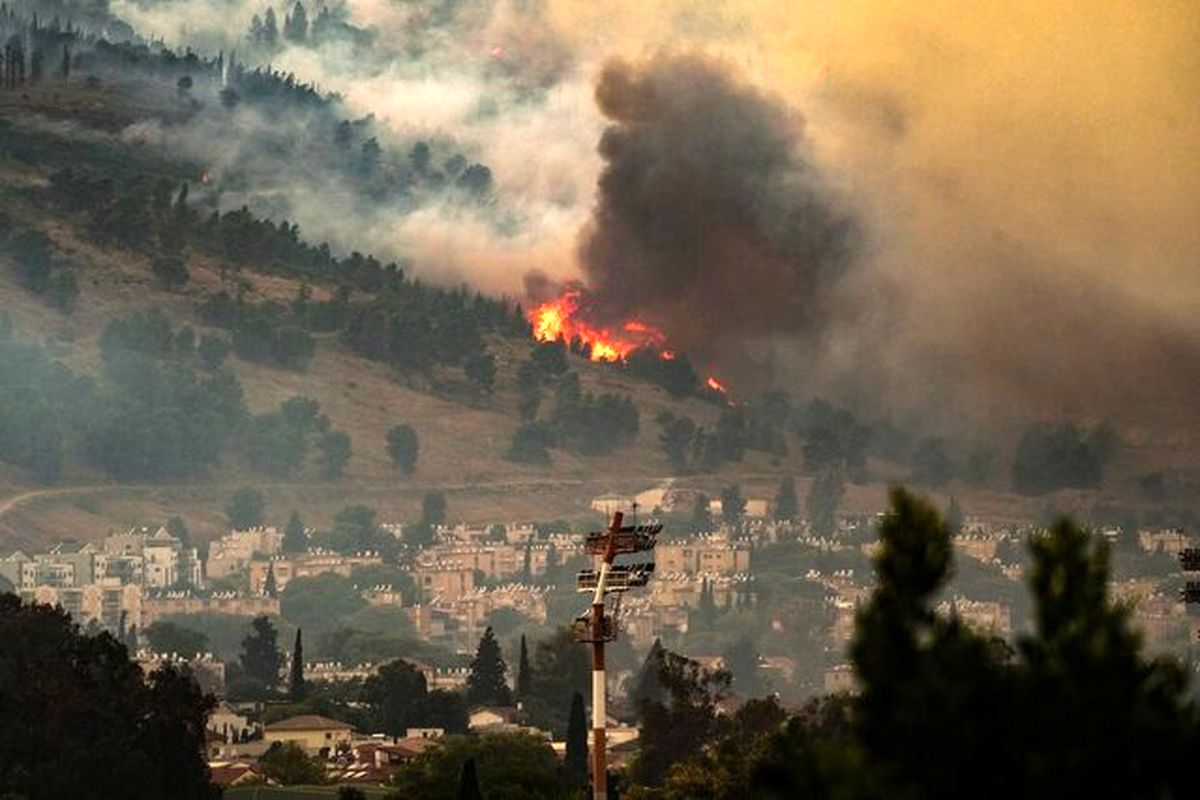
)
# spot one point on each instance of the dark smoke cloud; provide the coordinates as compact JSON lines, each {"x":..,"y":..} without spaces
{"x":710,"y":219}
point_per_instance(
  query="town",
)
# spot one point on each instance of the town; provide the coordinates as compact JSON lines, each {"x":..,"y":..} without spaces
{"x":440,"y":600}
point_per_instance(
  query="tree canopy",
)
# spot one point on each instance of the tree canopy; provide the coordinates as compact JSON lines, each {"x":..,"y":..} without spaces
{"x":81,"y":720}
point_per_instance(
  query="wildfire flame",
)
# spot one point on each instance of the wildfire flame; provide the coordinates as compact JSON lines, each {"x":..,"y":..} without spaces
{"x":559,"y":320}
{"x":715,"y":385}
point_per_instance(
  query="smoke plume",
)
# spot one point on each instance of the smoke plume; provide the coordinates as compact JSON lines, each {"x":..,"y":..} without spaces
{"x":710,"y":220}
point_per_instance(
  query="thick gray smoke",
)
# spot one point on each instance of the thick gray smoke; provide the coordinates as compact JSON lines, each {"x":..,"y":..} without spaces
{"x":710,"y":220}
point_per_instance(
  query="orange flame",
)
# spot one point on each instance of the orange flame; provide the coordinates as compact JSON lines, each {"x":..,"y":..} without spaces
{"x":558,"y":320}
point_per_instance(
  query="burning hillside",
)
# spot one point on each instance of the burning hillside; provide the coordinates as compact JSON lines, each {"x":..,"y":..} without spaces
{"x":571,"y":319}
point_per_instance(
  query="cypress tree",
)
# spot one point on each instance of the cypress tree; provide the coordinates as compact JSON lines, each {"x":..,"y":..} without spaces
{"x":575,"y":762}
{"x":295,"y":540}
{"x":269,"y":587}
{"x":786,"y":505}
{"x":524,"y":673}
{"x":468,"y":782}
{"x":297,"y":689}
{"x":486,"y":684}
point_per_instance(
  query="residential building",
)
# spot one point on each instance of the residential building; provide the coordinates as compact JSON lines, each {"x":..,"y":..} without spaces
{"x":160,"y":604}
{"x":103,"y":603}
{"x":311,"y":732}
{"x":712,"y":555}
{"x":314,"y":562}
{"x":234,"y":551}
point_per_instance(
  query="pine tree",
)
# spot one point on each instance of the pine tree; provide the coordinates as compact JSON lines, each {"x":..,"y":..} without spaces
{"x":486,"y":684}
{"x":297,"y":689}
{"x":954,"y":516}
{"x":468,"y":782}
{"x":295,"y":540}
{"x":260,"y":659}
{"x":524,"y":673}
{"x":786,"y":506}
{"x":822,"y":503}
{"x":575,"y":762}
{"x":649,"y":688}
{"x":527,"y":565}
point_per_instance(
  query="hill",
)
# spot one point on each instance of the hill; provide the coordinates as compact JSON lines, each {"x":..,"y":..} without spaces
{"x":109,"y":176}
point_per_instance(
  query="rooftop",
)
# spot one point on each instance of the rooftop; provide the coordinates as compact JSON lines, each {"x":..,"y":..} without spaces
{"x":309,"y":722}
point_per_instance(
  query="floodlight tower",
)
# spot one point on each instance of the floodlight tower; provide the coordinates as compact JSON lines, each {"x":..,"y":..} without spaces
{"x":596,"y":627}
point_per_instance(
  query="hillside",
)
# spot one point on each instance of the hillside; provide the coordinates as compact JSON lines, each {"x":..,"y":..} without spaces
{"x":463,"y":439}
{"x":120,"y":123}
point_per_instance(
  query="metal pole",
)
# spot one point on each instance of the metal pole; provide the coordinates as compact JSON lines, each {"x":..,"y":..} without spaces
{"x":599,"y":686}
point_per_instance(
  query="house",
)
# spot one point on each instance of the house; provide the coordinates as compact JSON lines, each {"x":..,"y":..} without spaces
{"x":311,"y":732}
{"x":492,"y":719}
{"x":234,"y":773}
{"x":233,"y":551}
{"x":228,"y":724}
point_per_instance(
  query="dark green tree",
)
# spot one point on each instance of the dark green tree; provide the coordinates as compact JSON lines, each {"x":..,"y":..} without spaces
{"x":245,"y":509}
{"x":649,"y":688}
{"x":954,"y":515}
{"x":433,"y":508}
{"x":575,"y":764}
{"x":560,"y":668}
{"x":295,"y":539}
{"x":288,"y":764}
{"x":333,"y":453}
{"x":403,"y":447}
{"x":179,"y":529}
{"x":677,"y":727}
{"x":480,"y":369}
{"x":212,"y":350}
{"x":81,"y":720}
{"x":675,"y":437}
{"x":260,"y":657}
{"x":297,"y":687}
{"x":733,"y":506}
{"x":786,"y":504}
{"x":824,"y":499}
{"x":167,"y":637}
{"x":468,"y":782}
{"x":486,"y":685}
{"x":524,"y":673}
{"x":509,"y":765}
{"x":741,"y":659}
{"x":396,"y":696}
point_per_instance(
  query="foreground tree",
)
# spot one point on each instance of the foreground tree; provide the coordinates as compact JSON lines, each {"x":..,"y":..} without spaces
{"x":80,"y":720}
{"x":575,"y":764}
{"x":677,"y":726}
{"x":515,"y":766}
{"x":1075,"y":710}
{"x":288,"y":764}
